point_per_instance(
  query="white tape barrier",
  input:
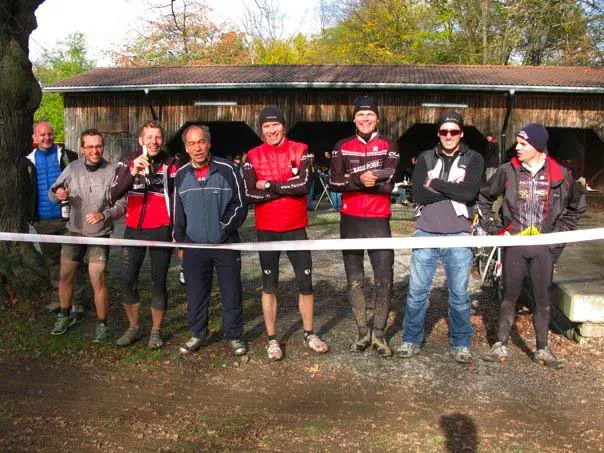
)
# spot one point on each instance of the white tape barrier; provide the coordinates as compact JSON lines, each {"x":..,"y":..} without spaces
{"x":397,"y":243}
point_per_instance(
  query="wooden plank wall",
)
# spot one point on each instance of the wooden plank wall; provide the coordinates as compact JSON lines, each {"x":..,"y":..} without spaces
{"x":119,"y":115}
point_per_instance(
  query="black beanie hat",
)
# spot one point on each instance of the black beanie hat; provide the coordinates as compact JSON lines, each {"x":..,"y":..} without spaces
{"x":536,"y":134}
{"x":270,"y":114}
{"x":366,"y":103}
{"x":450,"y":117}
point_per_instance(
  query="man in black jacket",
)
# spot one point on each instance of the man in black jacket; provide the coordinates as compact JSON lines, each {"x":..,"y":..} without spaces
{"x":446,"y":180}
{"x":43,"y":166}
{"x":208,"y":209}
{"x":539,"y":196}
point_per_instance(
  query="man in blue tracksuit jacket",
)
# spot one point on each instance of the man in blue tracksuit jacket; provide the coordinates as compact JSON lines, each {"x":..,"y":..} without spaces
{"x":208,"y":209}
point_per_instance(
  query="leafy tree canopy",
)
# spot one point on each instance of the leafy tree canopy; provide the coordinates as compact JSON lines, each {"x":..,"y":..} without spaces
{"x":66,"y":60}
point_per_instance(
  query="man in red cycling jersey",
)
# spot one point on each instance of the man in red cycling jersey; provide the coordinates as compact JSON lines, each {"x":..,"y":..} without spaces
{"x":362,"y":168}
{"x":147,"y":177}
{"x":277,"y":179}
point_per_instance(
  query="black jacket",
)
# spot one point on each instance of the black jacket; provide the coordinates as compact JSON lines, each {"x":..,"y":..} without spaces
{"x":440,"y":189}
{"x":566,"y":200}
{"x":30,"y":176}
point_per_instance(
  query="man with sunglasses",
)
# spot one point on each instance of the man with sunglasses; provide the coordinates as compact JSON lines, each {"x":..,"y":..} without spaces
{"x":445,"y":182}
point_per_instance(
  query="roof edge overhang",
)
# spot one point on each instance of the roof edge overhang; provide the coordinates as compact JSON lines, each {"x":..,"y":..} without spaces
{"x":328,"y":85}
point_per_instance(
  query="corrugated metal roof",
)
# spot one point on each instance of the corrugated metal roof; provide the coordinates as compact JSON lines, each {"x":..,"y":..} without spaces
{"x":461,"y":77}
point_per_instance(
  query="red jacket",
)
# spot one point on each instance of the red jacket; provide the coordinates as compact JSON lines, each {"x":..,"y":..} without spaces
{"x":288,"y":168}
{"x":350,"y":159}
{"x":149,"y":196}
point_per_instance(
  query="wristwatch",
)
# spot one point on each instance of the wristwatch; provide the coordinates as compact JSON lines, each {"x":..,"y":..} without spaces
{"x":267,"y":185}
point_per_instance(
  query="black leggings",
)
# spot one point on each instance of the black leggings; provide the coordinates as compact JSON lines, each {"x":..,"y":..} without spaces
{"x":382,"y":263}
{"x":301,"y":261}
{"x":133,"y":258}
{"x":516,"y":260}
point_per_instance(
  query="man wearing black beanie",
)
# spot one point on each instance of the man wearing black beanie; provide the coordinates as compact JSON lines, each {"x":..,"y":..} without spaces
{"x":446,"y":180}
{"x":362,"y":168}
{"x":539,"y":196}
{"x":277,"y":178}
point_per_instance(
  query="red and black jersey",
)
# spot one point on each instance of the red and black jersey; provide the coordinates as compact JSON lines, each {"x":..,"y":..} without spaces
{"x":352,"y":157}
{"x":149,"y":195}
{"x":288,"y":168}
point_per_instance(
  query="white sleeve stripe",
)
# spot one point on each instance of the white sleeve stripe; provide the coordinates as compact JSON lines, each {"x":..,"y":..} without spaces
{"x":238,"y":192}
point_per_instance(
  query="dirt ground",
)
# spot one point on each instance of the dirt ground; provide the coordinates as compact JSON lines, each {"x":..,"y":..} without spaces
{"x":67,"y":394}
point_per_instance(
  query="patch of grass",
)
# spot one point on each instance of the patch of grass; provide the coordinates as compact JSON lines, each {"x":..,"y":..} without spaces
{"x":6,"y":411}
{"x":314,"y":432}
{"x":26,"y":333}
{"x":114,"y":422}
{"x":142,"y":355}
{"x":233,"y":426}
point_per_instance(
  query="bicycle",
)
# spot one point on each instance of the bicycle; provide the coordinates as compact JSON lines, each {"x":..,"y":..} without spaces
{"x":489,"y":262}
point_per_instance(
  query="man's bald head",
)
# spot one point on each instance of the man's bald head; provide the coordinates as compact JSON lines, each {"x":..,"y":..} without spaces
{"x":44,"y":135}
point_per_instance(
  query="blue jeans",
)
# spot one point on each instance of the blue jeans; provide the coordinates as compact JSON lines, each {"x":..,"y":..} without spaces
{"x":402,"y":196}
{"x":336,"y":200}
{"x":457,"y":262}
{"x":311,"y":194}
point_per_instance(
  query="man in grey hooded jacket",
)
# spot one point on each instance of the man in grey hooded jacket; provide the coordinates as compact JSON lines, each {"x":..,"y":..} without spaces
{"x":84,"y":184}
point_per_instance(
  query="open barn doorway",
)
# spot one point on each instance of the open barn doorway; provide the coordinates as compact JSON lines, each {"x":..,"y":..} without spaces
{"x":321,"y":137}
{"x":580,"y":150}
{"x":228,"y":138}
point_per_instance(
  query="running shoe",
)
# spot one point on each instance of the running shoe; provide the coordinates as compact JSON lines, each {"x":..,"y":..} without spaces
{"x":132,"y":334}
{"x":155,"y":340}
{"x":407,"y":350}
{"x":461,"y":354}
{"x":61,"y":324}
{"x":192,"y":345}
{"x":381,"y":346}
{"x":498,"y":353}
{"x":101,"y":333}
{"x":362,"y":343}
{"x":238,"y":346}
{"x":547,"y":358}
{"x":315,"y":343}
{"x":273,"y":350}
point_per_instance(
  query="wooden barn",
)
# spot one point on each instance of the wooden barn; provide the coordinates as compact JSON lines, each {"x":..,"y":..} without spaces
{"x":318,"y":102}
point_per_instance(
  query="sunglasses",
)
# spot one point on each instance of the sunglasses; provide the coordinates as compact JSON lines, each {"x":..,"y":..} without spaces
{"x":453,"y":132}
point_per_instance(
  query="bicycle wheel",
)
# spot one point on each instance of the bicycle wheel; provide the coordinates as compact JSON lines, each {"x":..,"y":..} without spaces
{"x":485,"y":267}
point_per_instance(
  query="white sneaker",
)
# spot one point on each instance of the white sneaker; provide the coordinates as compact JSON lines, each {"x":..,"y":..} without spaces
{"x":274,"y":350}
{"x":192,"y":345}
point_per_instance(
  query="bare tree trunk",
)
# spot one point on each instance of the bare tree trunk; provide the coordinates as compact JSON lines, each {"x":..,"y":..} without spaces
{"x":485,"y":28}
{"x":21,"y":270}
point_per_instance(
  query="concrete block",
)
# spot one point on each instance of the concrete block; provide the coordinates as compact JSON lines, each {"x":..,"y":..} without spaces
{"x":591,"y":330}
{"x":581,"y":300}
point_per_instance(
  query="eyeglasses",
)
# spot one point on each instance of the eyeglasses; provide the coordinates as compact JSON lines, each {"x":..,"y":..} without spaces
{"x":453,"y":132}
{"x":91,"y":147}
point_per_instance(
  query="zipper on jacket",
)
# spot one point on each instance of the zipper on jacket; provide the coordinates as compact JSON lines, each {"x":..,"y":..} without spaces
{"x":532,"y":205}
{"x":143,"y":209}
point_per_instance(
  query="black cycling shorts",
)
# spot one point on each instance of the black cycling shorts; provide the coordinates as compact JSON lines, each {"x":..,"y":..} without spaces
{"x":301,"y":261}
{"x":132,"y":262}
